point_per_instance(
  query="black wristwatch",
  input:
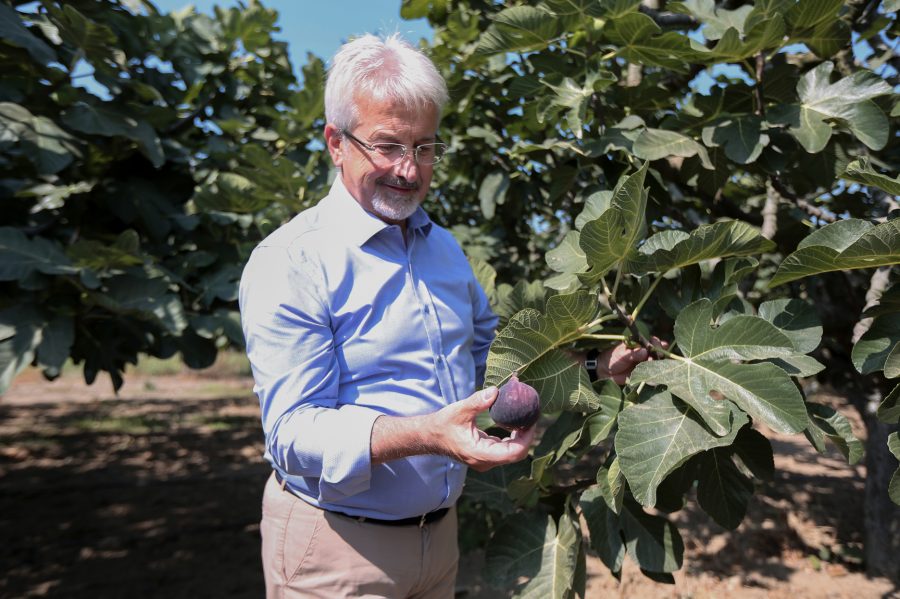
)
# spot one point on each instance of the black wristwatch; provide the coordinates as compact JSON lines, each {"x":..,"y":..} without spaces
{"x":590,"y":363}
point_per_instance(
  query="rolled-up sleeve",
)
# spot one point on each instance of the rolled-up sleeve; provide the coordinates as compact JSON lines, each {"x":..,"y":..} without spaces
{"x":290,"y":345}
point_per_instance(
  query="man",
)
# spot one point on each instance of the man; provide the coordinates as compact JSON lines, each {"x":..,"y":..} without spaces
{"x":367,"y":335}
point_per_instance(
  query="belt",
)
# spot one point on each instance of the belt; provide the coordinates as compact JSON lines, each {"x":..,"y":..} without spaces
{"x":419,"y":521}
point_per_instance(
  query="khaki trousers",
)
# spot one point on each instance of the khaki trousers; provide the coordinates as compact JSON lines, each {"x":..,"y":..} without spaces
{"x":308,"y":552}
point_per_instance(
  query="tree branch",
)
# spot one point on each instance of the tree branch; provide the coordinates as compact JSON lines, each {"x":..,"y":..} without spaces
{"x":670,"y":19}
{"x":877,"y":285}
{"x":801,"y":203}
{"x":758,"y":88}
{"x":770,"y":212}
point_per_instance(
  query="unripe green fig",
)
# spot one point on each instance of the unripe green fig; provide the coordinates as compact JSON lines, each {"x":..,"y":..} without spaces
{"x":517,"y":405}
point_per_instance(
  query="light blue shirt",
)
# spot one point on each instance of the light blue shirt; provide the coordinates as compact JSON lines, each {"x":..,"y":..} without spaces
{"x":345,"y":321}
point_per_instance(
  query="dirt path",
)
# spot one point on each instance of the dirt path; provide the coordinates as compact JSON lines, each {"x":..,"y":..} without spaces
{"x":156,"y":494}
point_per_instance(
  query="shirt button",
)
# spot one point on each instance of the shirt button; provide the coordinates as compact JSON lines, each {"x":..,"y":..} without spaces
{"x":425,"y":309}
{"x":440,"y":361}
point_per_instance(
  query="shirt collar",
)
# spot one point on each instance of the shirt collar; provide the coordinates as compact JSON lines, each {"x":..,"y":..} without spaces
{"x":359,"y":225}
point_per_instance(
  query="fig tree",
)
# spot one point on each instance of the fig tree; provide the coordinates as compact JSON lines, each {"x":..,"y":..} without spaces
{"x":517,"y":405}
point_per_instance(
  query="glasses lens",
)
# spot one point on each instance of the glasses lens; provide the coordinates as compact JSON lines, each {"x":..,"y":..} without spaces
{"x":430,"y":153}
{"x":389,"y":153}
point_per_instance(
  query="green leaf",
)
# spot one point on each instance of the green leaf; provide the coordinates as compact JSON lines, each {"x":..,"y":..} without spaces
{"x":519,"y":28}
{"x":651,"y":541}
{"x":716,"y":20}
{"x":21,"y":326}
{"x":666,"y":250}
{"x":230,"y":192}
{"x":53,"y":197}
{"x":763,"y":390}
{"x":828,"y":38}
{"x":49,"y":148}
{"x":755,"y":452}
{"x":13,"y":32}
{"x":798,"y":320}
{"x":807,"y":14}
{"x":894,"y":485}
{"x":95,"y":120}
{"x":579,"y":8}
{"x":636,"y":35}
{"x":128,"y":294}
{"x":889,"y":409}
{"x":742,"y":337}
{"x":659,"y":435}
{"x":722,"y":491}
{"x":833,"y":425}
{"x":20,"y":256}
{"x":568,"y":257}
{"x":616,"y":9}
{"x":764,"y":34}
{"x":531,"y":545}
{"x":492,"y":192}
{"x":612,"y":237}
{"x":741,"y":137}
{"x":603,"y":526}
{"x":871,"y":352}
{"x":861,"y":171}
{"x":490,"y":488}
{"x":485,"y":275}
{"x":842,"y":245}
{"x":654,"y":144}
{"x":847,"y":102}
{"x":528,"y":346}
{"x":56,"y":342}
{"x":596,"y":204}
{"x":512,"y":299}
{"x":568,"y":94}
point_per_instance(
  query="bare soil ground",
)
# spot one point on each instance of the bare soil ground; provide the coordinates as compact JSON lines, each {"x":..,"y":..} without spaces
{"x":156,"y":493}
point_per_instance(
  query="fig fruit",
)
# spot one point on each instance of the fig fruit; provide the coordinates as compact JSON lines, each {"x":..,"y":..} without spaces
{"x":517,"y":405}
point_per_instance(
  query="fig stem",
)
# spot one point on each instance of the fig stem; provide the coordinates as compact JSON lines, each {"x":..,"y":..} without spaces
{"x":650,"y":290}
{"x":605,"y":337}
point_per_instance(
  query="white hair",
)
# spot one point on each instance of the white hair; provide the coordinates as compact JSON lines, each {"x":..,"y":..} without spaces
{"x":388,"y":68}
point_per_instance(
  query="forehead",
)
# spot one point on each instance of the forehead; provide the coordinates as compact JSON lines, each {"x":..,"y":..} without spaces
{"x":394,"y":117}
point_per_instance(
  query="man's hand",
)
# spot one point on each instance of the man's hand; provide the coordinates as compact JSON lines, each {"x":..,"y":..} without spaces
{"x":617,"y":362}
{"x":450,"y":431}
{"x":462,"y":440}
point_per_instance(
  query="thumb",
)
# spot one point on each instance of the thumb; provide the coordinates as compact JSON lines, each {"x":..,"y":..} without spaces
{"x":482,"y":400}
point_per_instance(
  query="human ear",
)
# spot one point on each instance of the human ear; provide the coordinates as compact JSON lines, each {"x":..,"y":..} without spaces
{"x":333,"y":141}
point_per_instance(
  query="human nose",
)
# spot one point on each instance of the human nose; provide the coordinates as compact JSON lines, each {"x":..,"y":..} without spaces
{"x":408,"y":168}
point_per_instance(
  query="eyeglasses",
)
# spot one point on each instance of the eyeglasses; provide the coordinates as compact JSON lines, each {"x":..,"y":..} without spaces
{"x":389,"y":154}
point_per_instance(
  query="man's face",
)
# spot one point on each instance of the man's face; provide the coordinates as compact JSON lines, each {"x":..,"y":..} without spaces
{"x":390,"y":191}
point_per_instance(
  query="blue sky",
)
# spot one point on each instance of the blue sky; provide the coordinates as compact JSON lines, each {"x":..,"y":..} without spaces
{"x":321,"y":26}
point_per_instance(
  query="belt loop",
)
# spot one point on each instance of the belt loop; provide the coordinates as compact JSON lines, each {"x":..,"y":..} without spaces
{"x":422,"y":521}
{"x":283,"y":482}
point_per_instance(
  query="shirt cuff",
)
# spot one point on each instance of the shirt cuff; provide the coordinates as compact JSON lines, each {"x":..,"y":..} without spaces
{"x":347,"y":459}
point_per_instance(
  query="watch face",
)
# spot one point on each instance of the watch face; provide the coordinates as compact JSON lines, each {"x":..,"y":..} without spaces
{"x":590,"y":364}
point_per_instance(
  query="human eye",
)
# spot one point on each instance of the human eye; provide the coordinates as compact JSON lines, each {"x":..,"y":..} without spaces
{"x":426,"y":150}
{"x":389,"y":150}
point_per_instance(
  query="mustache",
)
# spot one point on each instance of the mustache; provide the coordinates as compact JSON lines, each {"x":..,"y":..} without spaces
{"x":397,"y":182}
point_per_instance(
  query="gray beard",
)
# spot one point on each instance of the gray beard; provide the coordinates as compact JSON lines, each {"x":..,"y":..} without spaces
{"x":393,"y":206}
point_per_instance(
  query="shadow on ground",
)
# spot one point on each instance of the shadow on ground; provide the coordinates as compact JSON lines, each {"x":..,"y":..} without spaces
{"x":154,"y":497}
{"x":119,"y":499}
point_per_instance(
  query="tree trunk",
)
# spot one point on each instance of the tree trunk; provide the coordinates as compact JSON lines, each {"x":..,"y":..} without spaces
{"x":882,"y":516}
{"x":634,"y":74}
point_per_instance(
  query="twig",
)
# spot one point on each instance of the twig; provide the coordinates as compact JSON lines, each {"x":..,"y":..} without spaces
{"x":670,"y":19}
{"x":770,"y":212}
{"x":758,"y":88}
{"x":801,"y":203}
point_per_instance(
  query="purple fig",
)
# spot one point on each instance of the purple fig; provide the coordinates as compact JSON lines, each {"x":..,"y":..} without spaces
{"x":517,"y":405}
